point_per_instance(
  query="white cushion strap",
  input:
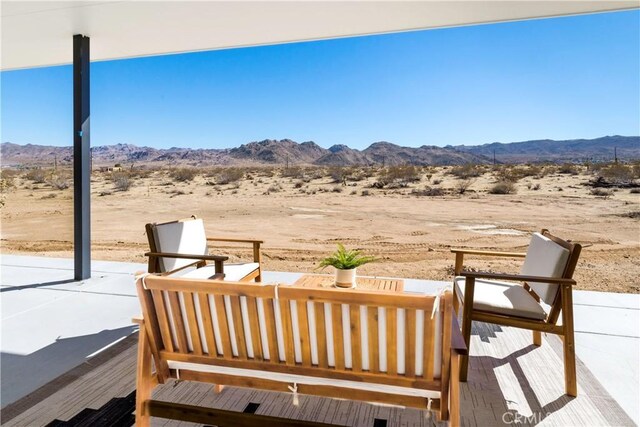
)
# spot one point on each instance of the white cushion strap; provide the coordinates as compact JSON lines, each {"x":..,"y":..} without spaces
{"x":436,"y":303}
{"x":142,"y":277}
{"x":294,"y":390}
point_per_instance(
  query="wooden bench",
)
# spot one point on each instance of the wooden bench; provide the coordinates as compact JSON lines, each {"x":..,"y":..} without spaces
{"x":392,"y":348}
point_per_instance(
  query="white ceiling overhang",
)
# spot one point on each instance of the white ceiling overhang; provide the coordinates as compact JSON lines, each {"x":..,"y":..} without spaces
{"x":39,"y":33}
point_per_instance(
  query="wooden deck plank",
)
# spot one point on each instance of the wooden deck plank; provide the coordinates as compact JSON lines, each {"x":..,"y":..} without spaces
{"x":483,"y":399}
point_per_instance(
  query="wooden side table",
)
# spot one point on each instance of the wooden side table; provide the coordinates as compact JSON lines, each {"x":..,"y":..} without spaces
{"x":363,"y":283}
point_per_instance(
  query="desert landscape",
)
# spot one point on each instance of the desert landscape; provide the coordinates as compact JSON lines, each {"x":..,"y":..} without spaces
{"x":408,"y":217}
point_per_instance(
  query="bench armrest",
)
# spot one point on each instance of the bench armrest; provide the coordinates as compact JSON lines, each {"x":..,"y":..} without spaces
{"x":138,"y":319}
{"x":457,"y":341}
{"x":188,"y":256}
{"x":518,"y":277}
{"x":489,"y":253}
{"x":225,"y":239}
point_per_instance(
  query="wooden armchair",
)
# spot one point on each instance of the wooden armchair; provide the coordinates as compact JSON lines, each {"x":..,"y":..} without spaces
{"x":178,"y":246}
{"x":546,"y":277}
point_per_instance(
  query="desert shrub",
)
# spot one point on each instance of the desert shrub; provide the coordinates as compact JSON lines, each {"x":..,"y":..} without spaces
{"x":429,"y":191}
{"x":397,"y":184}
{"x":365,"y":193}
{"x":183,"y":174}
{"x":354,"y":192}
{"x":38,"y":176}
{"x":141,"y":172}
{"x":337,"y":189}
{"x":534,"y":170}
{"x":49,"y":196}
{"x":364,"y":172}
{"x":466,"y":171}
{"x":463,"y":185}
{"x":274,"y":189}
{"x":121,"y":181}
{"x":338,"y":174}
{"x":314,"y":173}
{"x":298,"y":184}
{"x":7,"y":176}
{"x":618,"y":173}
{"x":293,"y":172}
{"x":536,"y":187}
{"x":266,"y":171}
{"x":401,"y":174}
{"x":229,"y":175}
{"x":632,"y":215}
{"x":437,"y":181}
{"x":503,"y":187}
{"x":512,"y":173}
{"x":4,"y":186}
{"x":635,"y":191}
{"x":568,"y":169}
{"x":59,"y":182}
{"x":601,"y":192}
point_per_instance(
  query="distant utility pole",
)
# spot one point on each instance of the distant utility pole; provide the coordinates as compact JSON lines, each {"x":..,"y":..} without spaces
{"x":383,"y":159}
{"x":287,"y":162}
{"x":615,"y":155}
{"x":494,"y":157}
{"x":55,"y":162}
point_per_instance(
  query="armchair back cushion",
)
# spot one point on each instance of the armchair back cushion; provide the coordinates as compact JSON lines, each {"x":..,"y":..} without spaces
{"x":548,"y":259}
{"x":184,"y":237}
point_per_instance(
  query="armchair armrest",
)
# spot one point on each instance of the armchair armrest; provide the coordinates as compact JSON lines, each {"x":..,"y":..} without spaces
{"x":257,"y":256}
{"x":460,"y":253}
{"x":457,"y":341}
{"x":189,"y":256}
{"x":225,"y":239}
{"x":518,"y":277}
{"x":488,"y":253}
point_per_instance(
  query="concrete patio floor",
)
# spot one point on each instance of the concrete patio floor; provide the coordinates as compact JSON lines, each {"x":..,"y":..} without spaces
{"x":51,"y":324}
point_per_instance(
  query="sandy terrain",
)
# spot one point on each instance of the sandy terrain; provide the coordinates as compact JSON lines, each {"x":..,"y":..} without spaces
{"x":411,"y":235}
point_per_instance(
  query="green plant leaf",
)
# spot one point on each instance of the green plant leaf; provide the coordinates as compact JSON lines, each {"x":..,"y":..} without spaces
{"x":344,"y":259}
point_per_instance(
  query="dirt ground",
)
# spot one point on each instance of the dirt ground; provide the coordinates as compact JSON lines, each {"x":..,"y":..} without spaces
{"x":301,"y":222}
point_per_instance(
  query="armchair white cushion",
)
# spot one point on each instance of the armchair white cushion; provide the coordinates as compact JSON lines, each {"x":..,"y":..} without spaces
{"x":545,"y":258}
{"x":180,"y":237}
{"x":502,"y":298}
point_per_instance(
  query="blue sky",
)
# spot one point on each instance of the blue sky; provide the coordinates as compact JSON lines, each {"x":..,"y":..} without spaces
{"x":561,"y":78}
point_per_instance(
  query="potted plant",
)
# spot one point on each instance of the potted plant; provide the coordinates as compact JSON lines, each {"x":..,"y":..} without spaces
{"x":345,"y":262}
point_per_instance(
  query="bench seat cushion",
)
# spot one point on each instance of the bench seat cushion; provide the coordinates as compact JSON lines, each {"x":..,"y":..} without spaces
{"x":502,"y":298}
{"x":304,"y":379}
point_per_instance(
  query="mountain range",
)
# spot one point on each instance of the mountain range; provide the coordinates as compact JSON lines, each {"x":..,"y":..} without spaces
{"x":288,"y":152}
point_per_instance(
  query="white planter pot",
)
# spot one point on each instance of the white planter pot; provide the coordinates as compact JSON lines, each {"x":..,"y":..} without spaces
{"x":346,"y":278}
